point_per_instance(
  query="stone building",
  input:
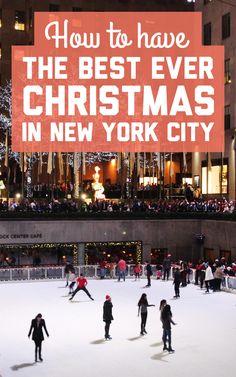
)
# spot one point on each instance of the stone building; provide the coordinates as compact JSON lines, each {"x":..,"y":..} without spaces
{"x":216,"y":171}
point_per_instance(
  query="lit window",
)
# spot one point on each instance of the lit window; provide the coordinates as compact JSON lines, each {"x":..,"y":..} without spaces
{"x":0,"y":18}
{"x":227,"y":72}
{"x":19,"y":20}
{"x":217,"y":180}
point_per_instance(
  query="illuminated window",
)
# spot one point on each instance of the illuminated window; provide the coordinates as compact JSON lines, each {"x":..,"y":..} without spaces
{"x":217,"y":180}
{"x":207,"y":34}
{"x":227,"y":117}
{"x":227,"y":72}
{"x":225,"y":25}
{"x":19,"y":20}
{"x":54,"y":8}
{"x":0,"y":18}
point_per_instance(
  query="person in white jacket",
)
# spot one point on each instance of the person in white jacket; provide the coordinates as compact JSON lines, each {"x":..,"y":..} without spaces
{"x":208,"y":277}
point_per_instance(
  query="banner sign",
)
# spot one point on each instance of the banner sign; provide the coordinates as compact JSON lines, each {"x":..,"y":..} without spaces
{"x":118,"y":82}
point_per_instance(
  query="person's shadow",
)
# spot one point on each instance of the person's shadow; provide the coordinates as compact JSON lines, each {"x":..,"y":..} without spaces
{"x":98,"y":341}
{"x":160,"y":357}
{"x":156,"y":344}
{"x":23,"y":365}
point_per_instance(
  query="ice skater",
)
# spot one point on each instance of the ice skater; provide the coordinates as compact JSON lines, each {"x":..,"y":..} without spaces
{"x":107,"y":316}
{"x":176,"y":282}
{"x":67,"y":269}
{"x":142,"y":308}
{"x":81,"y":286}
{"x":72,"y":281}
{"x":137,"y":271}
{"x":166,"y":319}
{"x":208,"y":277}
{"x":37,"y":325}
{"x":149,"y":273}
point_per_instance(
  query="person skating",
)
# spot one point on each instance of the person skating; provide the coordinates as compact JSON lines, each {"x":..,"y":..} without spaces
{"x":166,"y":267}
{"x":107,"y":316}
{"x":121,"y":268}
{"x":166,"y":319}
{"x":68,"y":267}
{"x":72,"y":281}
{"x":149,"y":273}
{"x":208,"y":277}
{"x":177,"y":281}
{"x":142,"y":308}
{"x":137,"y":271}
{"x":37,"y":325}
{"x":81,"y":286}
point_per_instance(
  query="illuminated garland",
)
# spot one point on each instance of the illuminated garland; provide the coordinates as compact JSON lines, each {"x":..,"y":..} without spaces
{"x":137,"y":244}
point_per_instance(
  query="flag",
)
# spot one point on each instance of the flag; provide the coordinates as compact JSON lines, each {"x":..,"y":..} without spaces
{"x":60,"y":163}
{"x":118,"y":164}
{"x":6,"y":152}
{"x":171,"y":166}
{"x":185,"y":168}
{"x":84,"y":163}
{"x":40,"y":164}
{"x":138,"y":164}
{"x":49,"y":167}
{"x":75,"y":166}
{"x":132,"y":159}
{"x":209,"y":161}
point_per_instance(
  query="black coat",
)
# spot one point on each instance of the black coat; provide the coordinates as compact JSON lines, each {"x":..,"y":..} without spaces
{"x":149,"y":270}
{"x":107,"y":311}
{"x":38,"y":330}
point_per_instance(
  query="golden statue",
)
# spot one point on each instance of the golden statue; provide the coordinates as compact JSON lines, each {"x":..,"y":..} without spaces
{"x":97,"y":186}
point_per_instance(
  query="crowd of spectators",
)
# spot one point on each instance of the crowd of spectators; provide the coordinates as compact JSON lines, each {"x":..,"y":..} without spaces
{"x":130,"y":206}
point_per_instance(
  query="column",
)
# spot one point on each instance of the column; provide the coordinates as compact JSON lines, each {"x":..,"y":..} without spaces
{"x":81,"y":254}
{"x":146,"y":252}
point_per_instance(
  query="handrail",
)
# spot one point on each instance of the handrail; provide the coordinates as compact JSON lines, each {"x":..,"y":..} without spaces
{"x":91,"y":271}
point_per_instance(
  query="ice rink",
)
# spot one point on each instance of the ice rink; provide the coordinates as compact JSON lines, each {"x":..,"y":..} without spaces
{"x":203,"y":339}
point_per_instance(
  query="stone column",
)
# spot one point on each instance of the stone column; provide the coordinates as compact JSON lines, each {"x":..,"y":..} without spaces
{"x":81,"y":253}
{"x":146,"y":252}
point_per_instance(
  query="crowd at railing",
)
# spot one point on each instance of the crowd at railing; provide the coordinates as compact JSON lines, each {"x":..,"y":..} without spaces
{"x":188,"y":274}
{"x":161,"y":206}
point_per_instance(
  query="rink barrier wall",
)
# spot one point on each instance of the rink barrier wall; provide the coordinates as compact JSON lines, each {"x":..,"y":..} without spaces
{"x":90,"y":271}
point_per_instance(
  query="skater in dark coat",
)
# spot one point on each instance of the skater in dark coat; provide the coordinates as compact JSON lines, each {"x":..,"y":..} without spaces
{"x":149,"y":273}
{"x":166,"y":319}
{"x":107,"y":316}
{"x":37,"y":325}
{"x":177,"y":281}
{"x":142,"y":307}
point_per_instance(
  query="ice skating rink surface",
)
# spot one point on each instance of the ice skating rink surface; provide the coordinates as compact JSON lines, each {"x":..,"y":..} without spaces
{"x":203,"y":339}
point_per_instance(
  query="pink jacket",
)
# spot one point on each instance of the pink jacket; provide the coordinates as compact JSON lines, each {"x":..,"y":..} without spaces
{"x":121,"y":265}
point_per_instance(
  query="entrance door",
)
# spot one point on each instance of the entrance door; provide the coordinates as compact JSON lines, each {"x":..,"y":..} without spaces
{"x":225,"y":254}
{"x":210,"y":254}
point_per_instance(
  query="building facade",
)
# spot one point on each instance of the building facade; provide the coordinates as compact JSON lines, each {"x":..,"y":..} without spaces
{"x":17,"y":18}
{"x":216,"y":171}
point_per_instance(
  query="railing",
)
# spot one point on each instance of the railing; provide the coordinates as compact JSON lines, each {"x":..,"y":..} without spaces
{"x":116,"y":215}
{"x":90,"y":271}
